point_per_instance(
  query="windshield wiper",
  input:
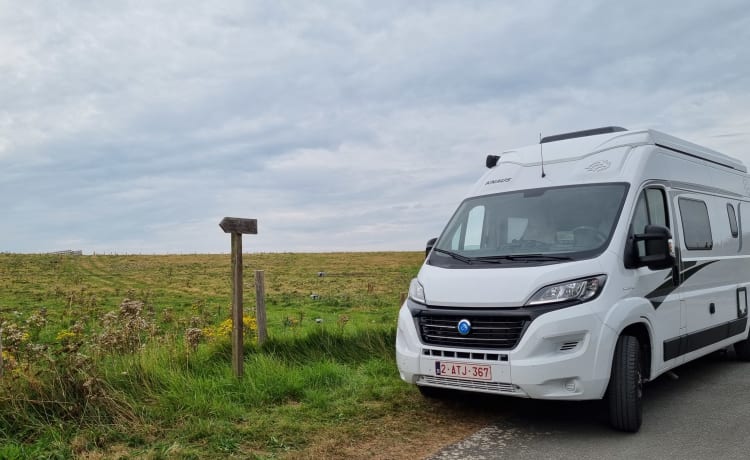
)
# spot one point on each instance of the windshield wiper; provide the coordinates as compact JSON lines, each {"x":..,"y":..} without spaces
{"x":502,"y":258}
{"x":464,"y":259}
{"x":522,"y":257}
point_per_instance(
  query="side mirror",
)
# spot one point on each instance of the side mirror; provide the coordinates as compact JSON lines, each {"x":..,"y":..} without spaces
{"x":430,"y":244}
{"x":659,"y":250}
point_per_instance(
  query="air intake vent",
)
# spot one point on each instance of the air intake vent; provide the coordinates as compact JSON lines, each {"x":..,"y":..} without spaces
{"x":567,"y":346}
{"x":473,"y":355}
{"x":462,"y":384}
{"x":584,"y":133}
{"x":488,"y":332}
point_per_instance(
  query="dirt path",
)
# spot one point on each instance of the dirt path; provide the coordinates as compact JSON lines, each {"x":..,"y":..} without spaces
{"x":409,"y":436}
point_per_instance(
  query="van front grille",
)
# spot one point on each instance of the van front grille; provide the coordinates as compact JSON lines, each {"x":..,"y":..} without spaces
{"x":488,"y":332}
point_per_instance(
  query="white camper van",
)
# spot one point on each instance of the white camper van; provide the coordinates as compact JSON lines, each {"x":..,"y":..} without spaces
{"x":582,"y":267}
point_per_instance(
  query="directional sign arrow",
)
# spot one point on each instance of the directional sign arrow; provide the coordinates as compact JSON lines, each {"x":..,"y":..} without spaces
{"x":239,"y":225}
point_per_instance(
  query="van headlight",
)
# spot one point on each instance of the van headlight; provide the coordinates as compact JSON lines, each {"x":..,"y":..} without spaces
{"x":581,"y":290}
{"x":416,"y":291}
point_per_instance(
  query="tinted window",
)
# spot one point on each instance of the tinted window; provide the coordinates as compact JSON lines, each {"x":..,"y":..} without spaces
{"x":640,"y":218}
{"x":656,"y":209}
{"x":732,"y":220}
{"x":650,"y":210}
{"x":696,"y":227}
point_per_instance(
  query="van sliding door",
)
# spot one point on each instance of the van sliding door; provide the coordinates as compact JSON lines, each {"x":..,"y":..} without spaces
{"x":710,"y":272}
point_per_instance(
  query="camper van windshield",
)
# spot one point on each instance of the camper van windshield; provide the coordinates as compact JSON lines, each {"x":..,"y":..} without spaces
{"x":544,"y":225}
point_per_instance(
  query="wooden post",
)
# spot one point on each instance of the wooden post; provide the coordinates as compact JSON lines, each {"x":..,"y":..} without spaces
{"x":260,"y":306}
{"x":2,"y":365}
{"x":237,"y":227}
{"x":237,"y":344}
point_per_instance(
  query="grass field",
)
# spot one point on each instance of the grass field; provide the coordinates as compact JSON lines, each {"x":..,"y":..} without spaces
{"x":87,"y":374}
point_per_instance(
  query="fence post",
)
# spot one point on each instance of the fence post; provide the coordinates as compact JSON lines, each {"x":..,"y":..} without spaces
{"x":260,"y":306}
{"x":237,"y":227}
{"x":2,"y":365}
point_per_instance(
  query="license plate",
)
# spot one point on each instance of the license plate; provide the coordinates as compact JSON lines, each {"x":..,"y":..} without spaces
{"x":463,"y":370}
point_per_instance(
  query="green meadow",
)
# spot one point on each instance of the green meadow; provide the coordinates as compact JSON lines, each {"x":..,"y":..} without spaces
{"x":110,"y":356}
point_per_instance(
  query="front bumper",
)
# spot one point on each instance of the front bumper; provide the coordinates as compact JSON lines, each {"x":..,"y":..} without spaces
{"x":558,"y":357}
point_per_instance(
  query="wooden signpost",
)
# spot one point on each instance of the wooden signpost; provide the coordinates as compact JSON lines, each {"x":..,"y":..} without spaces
{"x":237,"y":227}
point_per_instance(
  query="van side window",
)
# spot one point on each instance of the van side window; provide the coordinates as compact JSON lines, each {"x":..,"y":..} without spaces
{"x":650,"y":210}
{"x":657,"y":210}
{"x":640,"y":218}
{"x":732,"y":221}
{"x":696,"y":227}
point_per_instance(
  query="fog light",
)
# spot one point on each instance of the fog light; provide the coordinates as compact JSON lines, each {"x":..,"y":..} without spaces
{"x":570,"y":385}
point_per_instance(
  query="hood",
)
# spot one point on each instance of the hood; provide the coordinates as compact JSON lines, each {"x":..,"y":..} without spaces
{"x":496,"y":286}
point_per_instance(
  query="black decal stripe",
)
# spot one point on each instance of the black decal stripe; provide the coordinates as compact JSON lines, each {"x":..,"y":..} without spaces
{"x":688,"y":264}
{"x":657,"y":296}
{"x":693,"y":270}
{"x":679,"y":346}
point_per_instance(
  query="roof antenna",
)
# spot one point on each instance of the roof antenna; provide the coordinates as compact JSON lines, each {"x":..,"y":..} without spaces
{"x":541,"y":155}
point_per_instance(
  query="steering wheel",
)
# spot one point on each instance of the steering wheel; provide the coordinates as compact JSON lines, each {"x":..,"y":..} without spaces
{"x":593,"y":231}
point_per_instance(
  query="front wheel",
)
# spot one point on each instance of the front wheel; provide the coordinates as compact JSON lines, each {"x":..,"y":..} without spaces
{"x":625,"y":391}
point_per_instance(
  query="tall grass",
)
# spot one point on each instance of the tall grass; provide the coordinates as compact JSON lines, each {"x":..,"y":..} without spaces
{"x":294,"y":387}
{"x":85,"y":377}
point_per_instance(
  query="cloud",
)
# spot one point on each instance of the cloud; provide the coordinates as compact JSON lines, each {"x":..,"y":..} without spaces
{"x":340,"y":126}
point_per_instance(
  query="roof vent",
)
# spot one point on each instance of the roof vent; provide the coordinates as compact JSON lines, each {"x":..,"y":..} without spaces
{"x":584,"y":133}
{"x":492,"y":161}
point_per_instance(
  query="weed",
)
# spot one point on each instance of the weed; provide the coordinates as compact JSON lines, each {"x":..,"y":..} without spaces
{"x":193,"y":336}
{"x":125,"y":330}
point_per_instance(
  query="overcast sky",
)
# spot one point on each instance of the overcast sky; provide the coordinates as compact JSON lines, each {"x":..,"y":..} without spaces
{"x":340,"y":125}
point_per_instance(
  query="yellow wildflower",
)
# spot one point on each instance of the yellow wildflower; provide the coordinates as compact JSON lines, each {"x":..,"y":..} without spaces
{"x":224,"y":329}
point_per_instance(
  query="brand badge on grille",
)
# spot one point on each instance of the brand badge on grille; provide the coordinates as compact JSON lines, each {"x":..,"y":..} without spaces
{"x":464,"y":327}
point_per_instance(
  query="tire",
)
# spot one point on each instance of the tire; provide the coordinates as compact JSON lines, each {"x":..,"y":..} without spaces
{"x":742,"y":349}
{"x":625,"y":391}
